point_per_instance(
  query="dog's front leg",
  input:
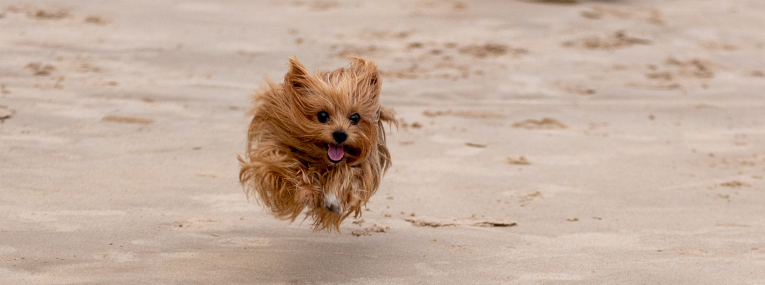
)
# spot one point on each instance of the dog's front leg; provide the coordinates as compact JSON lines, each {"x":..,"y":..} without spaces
{"x":307,"y":190}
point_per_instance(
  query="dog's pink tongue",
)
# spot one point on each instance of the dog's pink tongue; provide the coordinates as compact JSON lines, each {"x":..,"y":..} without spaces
{"x":335,"y":152}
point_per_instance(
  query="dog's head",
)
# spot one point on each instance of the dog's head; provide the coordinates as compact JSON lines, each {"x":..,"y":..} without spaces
{"x":335,"y":113}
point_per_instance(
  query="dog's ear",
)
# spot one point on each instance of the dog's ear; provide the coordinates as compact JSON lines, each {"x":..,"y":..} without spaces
{"x":297,"y":76}
{"x":368,"y":78}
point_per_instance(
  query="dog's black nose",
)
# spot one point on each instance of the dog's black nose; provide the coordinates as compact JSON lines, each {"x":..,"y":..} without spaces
{"x":339,"y":136}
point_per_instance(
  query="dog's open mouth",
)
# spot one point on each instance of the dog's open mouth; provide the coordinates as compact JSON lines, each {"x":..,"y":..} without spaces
{"x":335,"y":152}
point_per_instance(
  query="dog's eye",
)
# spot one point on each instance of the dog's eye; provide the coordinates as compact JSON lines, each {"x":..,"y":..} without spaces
{"x":355,"y":119}
{"x":322,"y":116}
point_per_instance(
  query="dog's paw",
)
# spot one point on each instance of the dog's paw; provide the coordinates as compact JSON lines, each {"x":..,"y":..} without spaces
{"x":333,"y":204}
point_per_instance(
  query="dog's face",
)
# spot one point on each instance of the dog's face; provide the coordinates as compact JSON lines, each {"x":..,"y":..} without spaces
{"x":336,"y":113}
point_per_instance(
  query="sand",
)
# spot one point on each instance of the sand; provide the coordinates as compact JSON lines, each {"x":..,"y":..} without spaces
{"x":602,"y":142}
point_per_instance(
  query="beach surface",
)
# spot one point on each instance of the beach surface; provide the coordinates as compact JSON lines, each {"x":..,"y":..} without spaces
{"x":601,"y":142}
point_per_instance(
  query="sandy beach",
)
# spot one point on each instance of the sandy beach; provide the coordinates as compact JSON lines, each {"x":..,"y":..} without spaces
{"x":601,"y":142}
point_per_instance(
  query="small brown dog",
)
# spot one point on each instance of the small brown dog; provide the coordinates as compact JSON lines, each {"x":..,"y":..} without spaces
{"x":317,"y":142}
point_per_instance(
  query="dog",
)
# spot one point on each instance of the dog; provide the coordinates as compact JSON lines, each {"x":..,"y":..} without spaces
{"x":317,"y":142}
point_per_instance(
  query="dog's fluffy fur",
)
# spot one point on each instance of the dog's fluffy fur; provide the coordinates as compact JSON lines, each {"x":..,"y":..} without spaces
{"x":288,"y":165}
